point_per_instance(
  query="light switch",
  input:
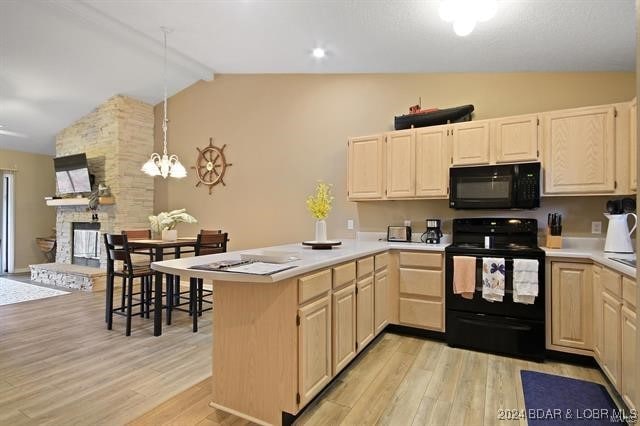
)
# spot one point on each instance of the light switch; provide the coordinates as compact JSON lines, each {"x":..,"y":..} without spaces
{"x":596,"y":227}
{"x":349,"y":223}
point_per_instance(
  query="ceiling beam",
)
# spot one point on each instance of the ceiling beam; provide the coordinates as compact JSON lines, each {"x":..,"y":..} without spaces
{"x":97,"y":19}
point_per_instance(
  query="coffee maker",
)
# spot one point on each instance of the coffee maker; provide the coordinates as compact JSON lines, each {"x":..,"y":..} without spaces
{"x":433,"y":233}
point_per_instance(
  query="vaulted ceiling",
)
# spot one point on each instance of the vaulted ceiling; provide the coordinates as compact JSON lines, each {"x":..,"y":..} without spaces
{"x":60,"y":59}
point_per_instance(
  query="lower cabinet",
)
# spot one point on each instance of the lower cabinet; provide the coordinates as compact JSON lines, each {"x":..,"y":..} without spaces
{"x":421,"y":290}
{"x":381,"y":300}
{"x":611,"y":316}
{"x":364,"y":312}
{"x":571,"y":305}
{"x":629,"y":360}
{"x":314,"y":347}
{"x":597,"y":311}
{"x":344,"y":327}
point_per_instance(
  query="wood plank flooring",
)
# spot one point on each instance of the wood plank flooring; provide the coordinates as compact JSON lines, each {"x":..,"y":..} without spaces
{"x":60,"y":365}
{"x":399,"y":380}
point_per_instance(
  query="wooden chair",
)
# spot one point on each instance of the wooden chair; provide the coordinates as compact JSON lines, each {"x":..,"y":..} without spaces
{"x":118,"y":251}
{"x":205,"y":244}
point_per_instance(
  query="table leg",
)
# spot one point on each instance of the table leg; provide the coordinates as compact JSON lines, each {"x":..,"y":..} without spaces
{"x":157,"y":312}
{"x":176,"y":280}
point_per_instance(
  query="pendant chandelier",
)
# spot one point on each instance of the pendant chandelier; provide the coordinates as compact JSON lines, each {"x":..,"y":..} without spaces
{"x":165,"y":165}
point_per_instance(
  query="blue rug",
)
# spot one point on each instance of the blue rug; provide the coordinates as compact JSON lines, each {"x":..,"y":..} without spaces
{"x":555,"y":400}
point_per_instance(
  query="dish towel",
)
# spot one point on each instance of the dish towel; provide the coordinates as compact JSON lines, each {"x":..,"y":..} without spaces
{"x":464,"y":276}
{"x":493,"y":279}
{"x":525,"y":280}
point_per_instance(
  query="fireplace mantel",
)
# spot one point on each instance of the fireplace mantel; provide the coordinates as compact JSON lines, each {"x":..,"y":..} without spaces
{"x":57,"y":202}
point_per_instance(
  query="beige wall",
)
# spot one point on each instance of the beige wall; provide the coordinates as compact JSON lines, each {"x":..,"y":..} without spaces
{"x":34,"y":180}
{"x":284,"y":132}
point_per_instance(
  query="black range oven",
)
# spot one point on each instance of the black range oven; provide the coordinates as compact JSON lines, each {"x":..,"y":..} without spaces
{"x":507,"y":186}
{"x":503,"y":327}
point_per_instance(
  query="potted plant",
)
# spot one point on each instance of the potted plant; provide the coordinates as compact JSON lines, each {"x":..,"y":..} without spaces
{"x":165,"y":223}
{"x":320,"y":205}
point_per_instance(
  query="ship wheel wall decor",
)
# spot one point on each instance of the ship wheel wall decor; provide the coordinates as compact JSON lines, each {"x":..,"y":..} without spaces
{"x":211,"y":165}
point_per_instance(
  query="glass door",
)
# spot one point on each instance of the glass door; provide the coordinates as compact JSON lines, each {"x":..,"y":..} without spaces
{"x":7,"y":239}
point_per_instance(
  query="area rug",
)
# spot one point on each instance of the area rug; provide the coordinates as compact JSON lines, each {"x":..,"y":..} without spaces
{"x":12,"y":291}
{"x":555,"y":400}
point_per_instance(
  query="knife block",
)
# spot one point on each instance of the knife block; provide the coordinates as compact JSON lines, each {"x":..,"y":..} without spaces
{"x":553,"y":241}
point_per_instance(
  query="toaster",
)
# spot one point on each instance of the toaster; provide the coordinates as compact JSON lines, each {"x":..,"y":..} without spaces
{"x":399,"y":233}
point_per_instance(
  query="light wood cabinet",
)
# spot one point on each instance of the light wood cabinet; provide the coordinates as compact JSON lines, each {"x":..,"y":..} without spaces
{"x":314,"y":348}
{"x":633,"y":146}
{"x":571,"y":305}
{"x":597,"y":311}
{"x":611,"y":343}
{"x":516,"y":139}
{"x":470,"y":143}
{"x":366,"y":168}
{"x":579,"y":151}
{"x":628,"y":374}
{"x":421,"y":288}
{"x":344,"y":327}
{"x":381,"y":300}
{"x":364,"y":312}
{"x":432,"y":162}
{"x":401,"y":165}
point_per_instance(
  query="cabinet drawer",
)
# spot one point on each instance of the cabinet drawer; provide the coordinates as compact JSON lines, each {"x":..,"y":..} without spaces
{"x":420,"y":281}
{"x":629,"y":291}
{"x":424,"y":260}
{"x":611,"y":281}
{"x":421,"y":313}
{"x":314,"y":285}
{"x":365,"y":266}
{"x":344,"y":274}
{"x":381,"y":260}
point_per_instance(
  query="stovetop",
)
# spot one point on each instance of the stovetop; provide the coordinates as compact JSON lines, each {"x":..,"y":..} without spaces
{"x":495,"y":235}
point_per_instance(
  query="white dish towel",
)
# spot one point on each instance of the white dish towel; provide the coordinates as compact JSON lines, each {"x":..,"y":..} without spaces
{"x":493,"y":278}
{"x":525,"y":280}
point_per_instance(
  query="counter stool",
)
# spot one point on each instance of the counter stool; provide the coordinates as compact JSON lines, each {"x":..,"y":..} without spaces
{"x":118,"y":251}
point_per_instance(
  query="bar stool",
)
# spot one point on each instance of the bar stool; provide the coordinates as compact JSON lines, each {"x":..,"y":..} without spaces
{"x":118,"y":251}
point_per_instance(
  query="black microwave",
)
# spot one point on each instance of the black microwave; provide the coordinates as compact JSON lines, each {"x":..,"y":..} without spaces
{"x":506,"y":186}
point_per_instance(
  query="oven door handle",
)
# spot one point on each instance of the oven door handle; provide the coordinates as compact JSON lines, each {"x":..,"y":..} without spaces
{"x":494,"y":324}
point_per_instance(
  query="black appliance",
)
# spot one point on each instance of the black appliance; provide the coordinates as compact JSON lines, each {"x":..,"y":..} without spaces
{"x":433,"y":233}
{"x":502,"y":327}
{"x":507,"y":186}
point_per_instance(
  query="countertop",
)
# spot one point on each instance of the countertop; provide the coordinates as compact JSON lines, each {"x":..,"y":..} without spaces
{"x":310,"y":260}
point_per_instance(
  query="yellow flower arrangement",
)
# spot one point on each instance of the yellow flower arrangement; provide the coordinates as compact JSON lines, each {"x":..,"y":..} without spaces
{"x":320,"y":204}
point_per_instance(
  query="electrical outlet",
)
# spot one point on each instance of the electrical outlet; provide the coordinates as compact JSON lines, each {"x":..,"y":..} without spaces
{"x":407,"y":222}
{"x":350,"y":224}
{"x":596,"y":227}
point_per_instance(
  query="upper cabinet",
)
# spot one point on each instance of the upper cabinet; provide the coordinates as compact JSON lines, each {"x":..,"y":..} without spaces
{"x":633,"y":146}
{"x":366,"y":168}
{"x":516,"y":139}
{"x":579,"y":147}
{"x":470,"y":143}
{"x":401,"y":164}
{"x":432,"y":162}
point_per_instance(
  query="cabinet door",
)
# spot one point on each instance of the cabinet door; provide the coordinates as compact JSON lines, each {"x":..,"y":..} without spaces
{"x":314,"y":348}
{"x":470,"y":143}
{"x":401,"y":165}
{"x":611,"y":338}
{"x":432,"y":162}
{"x":344,"y":327}
{"x":579,"y":150}
{"x":597,"y":312}
{"x":366,"y":167}
{"x":381,"y":300}
{"x":628,"y":376}
{"x":633,"y":146}
{"x":516,"y":138}
{"x":364,"y":312}
{"x":571,"y":305}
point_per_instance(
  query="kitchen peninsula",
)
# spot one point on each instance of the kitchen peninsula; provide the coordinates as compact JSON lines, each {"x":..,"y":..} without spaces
{"x":280,"y":338}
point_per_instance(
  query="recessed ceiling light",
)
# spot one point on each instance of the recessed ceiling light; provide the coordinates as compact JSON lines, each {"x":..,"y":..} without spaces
{"x":319,"y":53}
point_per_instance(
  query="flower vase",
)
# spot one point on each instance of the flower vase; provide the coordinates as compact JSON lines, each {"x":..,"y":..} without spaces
{"x":321,"y":230}
{"x":169,"y":235}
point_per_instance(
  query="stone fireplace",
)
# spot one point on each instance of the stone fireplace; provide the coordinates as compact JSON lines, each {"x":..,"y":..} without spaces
{"x":117,"y":138}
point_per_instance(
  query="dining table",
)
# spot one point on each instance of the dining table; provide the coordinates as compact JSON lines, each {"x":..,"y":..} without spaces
{"x":158,"y":250}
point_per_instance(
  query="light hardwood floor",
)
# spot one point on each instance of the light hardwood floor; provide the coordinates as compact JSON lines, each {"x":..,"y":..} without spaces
{"x":399,"y":380}
{"x":60,"y":365}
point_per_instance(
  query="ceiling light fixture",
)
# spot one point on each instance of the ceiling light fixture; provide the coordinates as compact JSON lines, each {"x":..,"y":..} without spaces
{"x":319,"y":53}
{"x":465,"y":13}
{"x":166,"y":165}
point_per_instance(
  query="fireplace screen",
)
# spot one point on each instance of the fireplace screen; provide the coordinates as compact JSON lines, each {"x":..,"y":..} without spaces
{"x":86,"y":244}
